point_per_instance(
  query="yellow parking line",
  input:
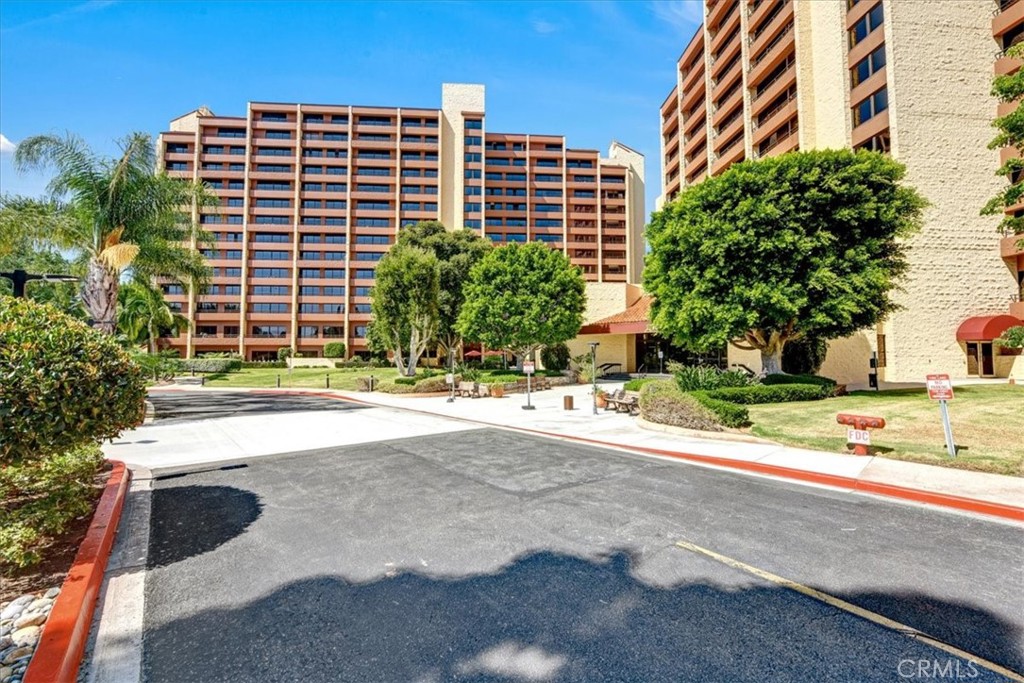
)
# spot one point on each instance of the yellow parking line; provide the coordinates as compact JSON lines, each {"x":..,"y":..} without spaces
{"x":852,"y":609}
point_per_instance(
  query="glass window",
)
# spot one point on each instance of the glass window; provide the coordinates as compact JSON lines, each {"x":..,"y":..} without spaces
{"x":868,"y":66}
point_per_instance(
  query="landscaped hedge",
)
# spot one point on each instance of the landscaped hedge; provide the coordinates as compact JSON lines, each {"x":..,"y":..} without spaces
{"x":798,"y":379}
{"x":264,"y":364}
{"x":729,"y":414}
{"x":334,"y":350}
{"x":62,"y":384}
{"x":664,"y":403}
{"x":638,"y":384}
{"x":778,"y":393}
{"x":39,"y":498}
{"x":214,"y":364}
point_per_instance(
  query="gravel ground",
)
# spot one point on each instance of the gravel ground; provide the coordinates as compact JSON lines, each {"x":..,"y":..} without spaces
{"x":21,"y":624}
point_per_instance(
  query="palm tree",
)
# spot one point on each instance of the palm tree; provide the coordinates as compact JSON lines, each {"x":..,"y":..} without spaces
{"x":123,"y":216}
{"x":143,"y":314}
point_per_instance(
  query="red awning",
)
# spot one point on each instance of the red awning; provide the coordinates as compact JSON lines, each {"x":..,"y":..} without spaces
{"x":985,"y":327}
{"x":633,"y":320}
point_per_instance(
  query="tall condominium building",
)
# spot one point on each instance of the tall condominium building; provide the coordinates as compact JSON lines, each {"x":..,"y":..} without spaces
{"x":911,"y":78}
{"x":312,"y":196}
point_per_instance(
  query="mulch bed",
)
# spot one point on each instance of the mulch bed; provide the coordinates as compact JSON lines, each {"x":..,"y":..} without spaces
{"x":58,"y":555}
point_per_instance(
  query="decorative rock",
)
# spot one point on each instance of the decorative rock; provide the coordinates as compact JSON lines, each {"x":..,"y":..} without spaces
{"x":15,"y":655}
{"x":52,"y":593}
{"x":5,"y":642}
{"x":39,"y":605}
{"x":6,"y":672}
{"x":12,"y":610}
{"x":26,"y":636}
{"x":31,"y":619}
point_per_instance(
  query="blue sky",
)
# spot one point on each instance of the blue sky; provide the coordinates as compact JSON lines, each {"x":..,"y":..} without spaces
{"x":593,"y":71}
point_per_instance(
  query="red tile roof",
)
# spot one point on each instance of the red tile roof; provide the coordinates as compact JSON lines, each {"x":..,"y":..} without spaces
{"x":636,"y":319}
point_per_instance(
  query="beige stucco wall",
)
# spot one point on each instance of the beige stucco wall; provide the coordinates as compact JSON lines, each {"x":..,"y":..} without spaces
{"x":455,"y":99}
{"x":940,"y":73}
{"x":605,"y":299}
{"x":822,"y":90}
{"x":614,"y":348}
{"x":636,"y":216}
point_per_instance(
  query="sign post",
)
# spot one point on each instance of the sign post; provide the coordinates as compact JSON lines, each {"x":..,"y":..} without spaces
{"x":528,"y":368}
{"x":941,"y":389}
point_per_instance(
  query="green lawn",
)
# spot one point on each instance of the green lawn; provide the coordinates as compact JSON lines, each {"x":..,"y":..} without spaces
{"x":305,"y":378}
{"x":987,"y":421}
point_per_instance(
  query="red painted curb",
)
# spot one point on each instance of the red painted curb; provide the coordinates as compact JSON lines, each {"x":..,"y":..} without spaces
{"x":890,"y":490}
{"x":60,"y":649}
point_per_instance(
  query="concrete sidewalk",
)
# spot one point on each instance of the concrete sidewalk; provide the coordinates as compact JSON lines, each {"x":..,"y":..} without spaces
{"x":980,"y":492}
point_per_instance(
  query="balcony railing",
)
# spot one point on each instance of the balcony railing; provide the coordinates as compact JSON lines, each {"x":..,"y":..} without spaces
{"x":770,"y":46}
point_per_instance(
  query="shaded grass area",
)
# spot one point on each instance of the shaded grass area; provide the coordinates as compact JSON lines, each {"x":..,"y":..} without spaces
{"x":304,"y":378}
{"x":987,"y":422}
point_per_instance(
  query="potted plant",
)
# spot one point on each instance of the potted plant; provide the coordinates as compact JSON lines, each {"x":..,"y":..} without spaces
{"x":602,"y":398}
{"x":1012,"y":341}
{"x":497,"y":390}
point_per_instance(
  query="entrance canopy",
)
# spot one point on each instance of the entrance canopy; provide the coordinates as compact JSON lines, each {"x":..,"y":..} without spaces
{"x":633,"y":320}
{"x":985,"y":327}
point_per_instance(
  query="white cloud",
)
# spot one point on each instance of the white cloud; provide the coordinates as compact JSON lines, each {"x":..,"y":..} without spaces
{"x":684,"y":15}
{"x":6,"y":146}
{"x":544,"y":27}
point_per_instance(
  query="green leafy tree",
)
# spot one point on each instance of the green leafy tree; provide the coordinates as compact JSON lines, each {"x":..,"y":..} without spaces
{"x":1009,"y":88}
{"x":457,"y":251}
{"x":143,"y":315}
{"x":22,"y":253}
{"x":523,"y":297}
{"x":404,"y":305}
{"x":118,"y":214}
{"x":807,"y":244}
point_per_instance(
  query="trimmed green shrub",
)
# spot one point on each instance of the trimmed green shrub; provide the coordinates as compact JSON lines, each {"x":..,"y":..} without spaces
{"x":729,"y":414}
{"x":284,"y":352}
{"x":798,"y":379}
{"x":778,"y":393}
{"x":408,"y":381}
{"x":354,"y":362}
{"x":664,"y":403}
{"x":637,"y":384}
{"x":555,"y":357}
{"x":433,"y":385}
{"x":334,"y":350}
{"x":804,"y":356}
{"x":62,"y":383}
{"x":207,"y":364}
{"x":264,"y":364}
{"x":39,"y":498}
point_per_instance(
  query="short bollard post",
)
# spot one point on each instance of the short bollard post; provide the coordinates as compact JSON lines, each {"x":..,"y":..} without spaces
{"x":279,"y":381}
{"x":328,"y":381}
{"x":858,"y":433}
{"x":567,"y":402}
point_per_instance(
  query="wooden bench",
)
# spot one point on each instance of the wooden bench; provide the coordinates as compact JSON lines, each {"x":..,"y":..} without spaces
{"x":622,"y":403}
{"x":469,"y":390}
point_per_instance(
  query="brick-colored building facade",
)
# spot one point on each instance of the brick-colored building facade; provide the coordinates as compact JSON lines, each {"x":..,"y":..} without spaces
{"x":312,"y":196}
{"x":911,"y":78}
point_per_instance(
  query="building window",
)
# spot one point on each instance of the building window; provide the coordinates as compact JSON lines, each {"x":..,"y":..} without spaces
{"x":273,"y":116}
{"x":269,"y":308}
{"x":474,"y":124}
{"x":278,"y":135}
{"x":867,"y":66}
{"x":877,"y":143}
{"x":309,"y":331}
{"x":268,"y":330}
{"x":871,"y":107}
{"x":866,"y":25}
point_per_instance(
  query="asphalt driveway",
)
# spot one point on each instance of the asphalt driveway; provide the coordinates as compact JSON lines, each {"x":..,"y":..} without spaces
{"x":486,"y":555}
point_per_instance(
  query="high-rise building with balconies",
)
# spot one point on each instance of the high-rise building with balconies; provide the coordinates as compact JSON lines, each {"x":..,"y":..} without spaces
{"x":911,"y":78}
{"x":312,"y":196}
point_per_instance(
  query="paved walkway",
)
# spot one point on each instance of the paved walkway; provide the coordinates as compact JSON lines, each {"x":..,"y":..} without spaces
{"x":607,"y":428}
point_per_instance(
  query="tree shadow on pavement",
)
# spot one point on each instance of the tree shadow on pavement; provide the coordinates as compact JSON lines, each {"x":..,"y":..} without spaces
{"x":186,"y":521}
{"x":550,"y":617}
{"x":194,"y":405}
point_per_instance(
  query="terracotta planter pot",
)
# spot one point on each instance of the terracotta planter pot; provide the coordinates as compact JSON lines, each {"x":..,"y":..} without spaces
{"x":1003,"y":351}
{"x":497,"y":390}
{"x":602,"y":401}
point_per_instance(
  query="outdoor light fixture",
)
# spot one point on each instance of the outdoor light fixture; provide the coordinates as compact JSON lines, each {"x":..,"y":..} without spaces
{"x":20,"y":278}
{"x":593,"y":371}
{"x":451,"y":375}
